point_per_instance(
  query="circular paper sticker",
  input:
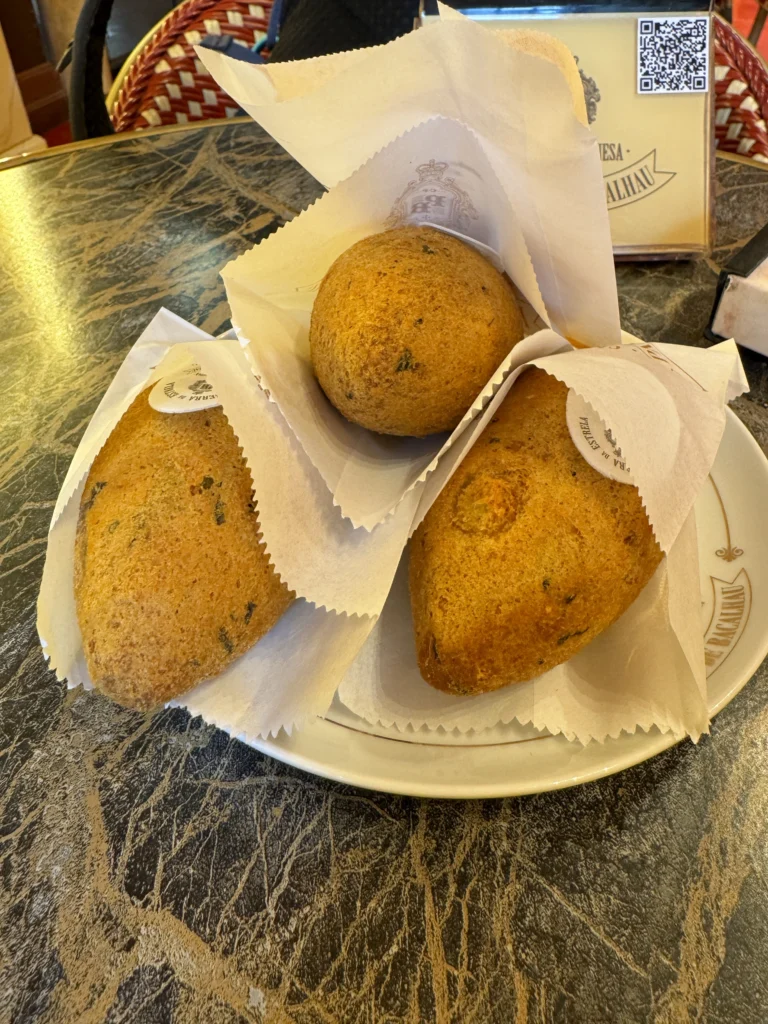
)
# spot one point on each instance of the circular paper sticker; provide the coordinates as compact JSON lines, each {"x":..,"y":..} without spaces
{"x":189,"y":390}
{"x":594,"y":440}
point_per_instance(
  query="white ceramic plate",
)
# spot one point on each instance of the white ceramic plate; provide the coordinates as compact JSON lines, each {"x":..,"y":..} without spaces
{"x":511,"y":760}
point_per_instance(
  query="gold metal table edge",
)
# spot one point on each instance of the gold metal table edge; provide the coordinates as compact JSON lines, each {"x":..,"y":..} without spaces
{"x":214,"y":122}
{"x":739,"y":158}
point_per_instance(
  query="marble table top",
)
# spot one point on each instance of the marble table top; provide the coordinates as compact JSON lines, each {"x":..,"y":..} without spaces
{"x":152,"y":869}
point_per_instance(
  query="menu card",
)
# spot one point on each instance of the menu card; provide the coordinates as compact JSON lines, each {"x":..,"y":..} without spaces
{"x":647,"y":75}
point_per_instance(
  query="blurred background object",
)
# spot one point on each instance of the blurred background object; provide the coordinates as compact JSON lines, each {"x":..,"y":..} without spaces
{"x":33,"y":98}
{"x":130,"y":64}
{"x":741,"y":95}
{"x":15,"y":133}
{"x":740,"y":309}
{"x":748,"y":17}
{"x":311,"y":28}
{"x":158,"y":82}
{"x":163,"y":82}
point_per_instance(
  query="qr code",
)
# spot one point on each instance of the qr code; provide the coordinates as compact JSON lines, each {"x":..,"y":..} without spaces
{"x":672,"y":55}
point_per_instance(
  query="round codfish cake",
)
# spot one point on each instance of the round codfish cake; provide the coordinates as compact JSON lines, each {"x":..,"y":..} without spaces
{"x":407,"y":328}
{"x":527,"y":554}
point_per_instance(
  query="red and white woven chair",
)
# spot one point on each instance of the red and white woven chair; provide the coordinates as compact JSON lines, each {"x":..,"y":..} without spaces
{"x":163,"y":82}
{"x":741,"y":95}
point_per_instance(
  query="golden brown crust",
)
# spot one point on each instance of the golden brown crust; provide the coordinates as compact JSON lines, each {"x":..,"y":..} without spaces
{"x":407,"y":328}
{"x":172,"y":582}
{"x":527,"y":554}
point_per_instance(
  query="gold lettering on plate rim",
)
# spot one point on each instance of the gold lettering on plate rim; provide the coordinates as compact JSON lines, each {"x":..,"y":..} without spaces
{"x":730,"y":552}
{"x":732,"y":603}
{"x":635,"y":182}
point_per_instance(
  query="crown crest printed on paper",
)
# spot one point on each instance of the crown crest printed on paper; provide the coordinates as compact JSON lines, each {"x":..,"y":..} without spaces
{"x":433,"y":197}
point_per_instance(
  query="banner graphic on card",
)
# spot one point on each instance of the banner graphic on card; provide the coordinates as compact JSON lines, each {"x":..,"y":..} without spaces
{"x":635,"y":182}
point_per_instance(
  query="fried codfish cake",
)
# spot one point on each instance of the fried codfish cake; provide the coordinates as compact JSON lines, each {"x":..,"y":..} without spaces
{"x":407,"y":328}
{"x":527,"y":554}
{"x":172,"y":582}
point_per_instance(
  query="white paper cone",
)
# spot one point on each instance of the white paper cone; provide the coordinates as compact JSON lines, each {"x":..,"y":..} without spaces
{"x":522,"y":100}
{"x":272,"y":288}
{"x":665,"y":405}
{"x":645,"y":670}
{"x":317,"y":552}
{"x":290,"y":676}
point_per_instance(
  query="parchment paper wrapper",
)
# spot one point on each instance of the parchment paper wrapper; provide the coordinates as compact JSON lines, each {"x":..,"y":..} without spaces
{"x":484,"y":135}
{"x":291,"y":674}
{"x":272,"y":288}
{"x":519,"y":92}
{"x":646,"y":670}
{"x":665,"y":405}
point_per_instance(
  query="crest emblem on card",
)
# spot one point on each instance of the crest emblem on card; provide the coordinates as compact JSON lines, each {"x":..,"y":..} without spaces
{"x":591,"y":94}
{"x":433,"y":197}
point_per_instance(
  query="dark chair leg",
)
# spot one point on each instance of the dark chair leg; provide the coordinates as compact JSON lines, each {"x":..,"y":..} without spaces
{"x":87,"y":110}
{"x":758,"y":25}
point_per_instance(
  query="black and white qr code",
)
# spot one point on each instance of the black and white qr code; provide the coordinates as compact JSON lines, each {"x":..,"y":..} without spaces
{"x":672,"y":55}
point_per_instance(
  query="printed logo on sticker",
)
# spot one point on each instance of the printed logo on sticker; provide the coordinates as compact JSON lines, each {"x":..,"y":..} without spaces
{"x":189,"y":390}
{"x":594,"y":440}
